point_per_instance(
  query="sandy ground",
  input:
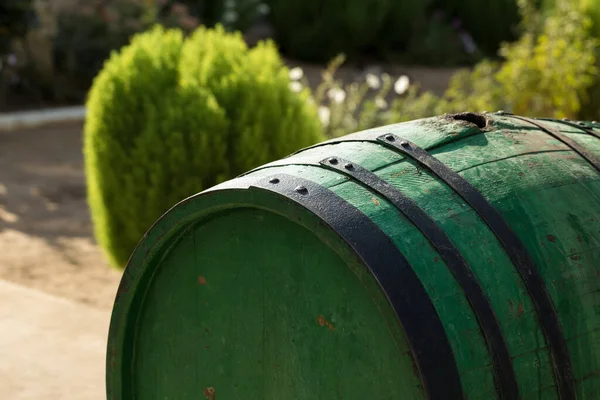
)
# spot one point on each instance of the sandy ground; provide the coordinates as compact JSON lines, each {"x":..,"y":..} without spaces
{"x":46,"y":239}
{"x":51,"y":348}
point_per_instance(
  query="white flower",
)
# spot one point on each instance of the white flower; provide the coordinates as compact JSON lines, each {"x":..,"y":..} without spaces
{"x":402,"y":84}
{"x":296,"y":73}
{"x":381,"y":103}
{"x":324,"y":115}
{"x":373,"y":81}
{"x":337,"y":95}
{"x":230,"y":16}
{"x":295,"y":86}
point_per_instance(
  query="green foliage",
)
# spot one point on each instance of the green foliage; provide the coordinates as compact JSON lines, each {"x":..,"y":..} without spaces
{"x":317,"y":30}
{"x":590,"y":102}
{"x":243,"y":14}
{"x":490,"y":22}
{"x":545,"y":74}
{"x":592,"y":9}
{"x":550,"y":75}
{"x":350,"y":107}
{"x":591,"y":108}
{"x":533,"y":78}
{"x":209,"y":11}
{"x":438,"y":43}
{"x":86,"y":36}
{"x":81,"y":45}
{"x":16,"y":18}
{"x":169,"y":117}
{"x":548,"y":72}
{"x":266,"y":119}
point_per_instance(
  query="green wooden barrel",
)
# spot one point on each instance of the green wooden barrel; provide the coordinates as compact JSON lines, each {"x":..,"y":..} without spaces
{"x":444,"y":258}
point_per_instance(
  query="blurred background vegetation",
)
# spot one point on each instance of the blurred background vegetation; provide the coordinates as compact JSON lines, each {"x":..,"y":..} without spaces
{"x":51,"y":50}
{"x":172,"y":87}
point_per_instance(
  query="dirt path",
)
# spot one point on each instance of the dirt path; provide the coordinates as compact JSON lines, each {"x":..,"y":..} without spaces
{"x":46,"y":239}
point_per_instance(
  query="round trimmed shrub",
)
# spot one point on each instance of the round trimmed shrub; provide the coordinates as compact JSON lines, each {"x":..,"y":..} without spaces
{"x":169,"y":117}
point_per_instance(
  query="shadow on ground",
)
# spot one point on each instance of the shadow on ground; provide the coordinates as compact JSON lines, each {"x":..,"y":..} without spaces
{"x":42,"y":183}
{"x":46,"y":236}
